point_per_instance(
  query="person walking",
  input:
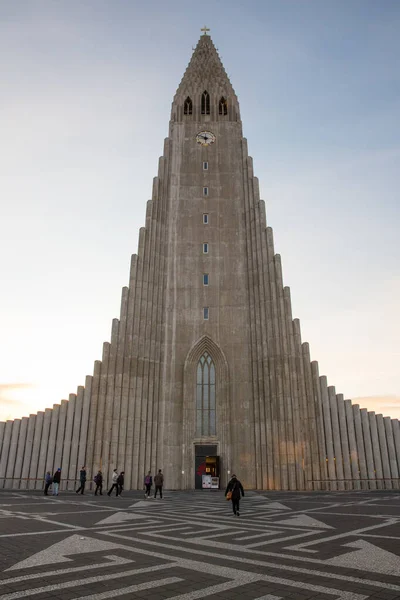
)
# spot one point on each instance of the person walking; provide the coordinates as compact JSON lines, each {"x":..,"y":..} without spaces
{"x":82,"y":480}
{"x":158,"y":482}
{"x":98,"y":479}
{"x":234,"y":488}
{"x":48,"y":480}
{"x":56,"y":481}
{"x":148,"y":482}
{"x":120,"y":483}
{"x":114,"y":483}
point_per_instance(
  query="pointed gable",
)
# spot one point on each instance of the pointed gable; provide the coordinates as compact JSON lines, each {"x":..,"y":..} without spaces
{"x":205,"y":72}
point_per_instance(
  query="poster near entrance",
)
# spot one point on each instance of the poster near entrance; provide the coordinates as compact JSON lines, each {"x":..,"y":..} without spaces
{"x":206,"y":482}
{"x":215,"y":483}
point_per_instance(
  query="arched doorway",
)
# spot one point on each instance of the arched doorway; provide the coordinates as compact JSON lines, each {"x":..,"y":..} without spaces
{"x":206,"y":422}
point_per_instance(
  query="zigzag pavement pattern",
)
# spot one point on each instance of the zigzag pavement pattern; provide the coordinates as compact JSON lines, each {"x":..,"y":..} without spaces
{"x":284,"y":545}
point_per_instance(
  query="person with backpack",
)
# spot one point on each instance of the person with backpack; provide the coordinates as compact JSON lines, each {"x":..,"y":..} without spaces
{"x":232,"y":492}
{"x":159,"y":482}
{"x":82,"y":481}
{"x":114,"y":483}
{"x":98,"y":479}
{"x":148,"y":482}
{"x":120,"y":483}
{"x":56,"y":481}
{"x":48,"y":480}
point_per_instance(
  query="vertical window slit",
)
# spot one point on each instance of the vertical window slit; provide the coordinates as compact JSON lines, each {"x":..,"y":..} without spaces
{"x":205,"y":103}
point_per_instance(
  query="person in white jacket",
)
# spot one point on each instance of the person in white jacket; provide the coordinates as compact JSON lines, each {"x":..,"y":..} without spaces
{"x":114,"y":483}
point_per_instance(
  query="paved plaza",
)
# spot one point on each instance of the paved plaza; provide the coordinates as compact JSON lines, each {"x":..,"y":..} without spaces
{"x":189,"y":545}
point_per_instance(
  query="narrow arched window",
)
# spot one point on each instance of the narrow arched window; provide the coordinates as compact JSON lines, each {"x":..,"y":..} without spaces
{"x":205,"y":103}
{"x":188,"y":106}
{"x":205,"y":396}
{"x":223,"y":106}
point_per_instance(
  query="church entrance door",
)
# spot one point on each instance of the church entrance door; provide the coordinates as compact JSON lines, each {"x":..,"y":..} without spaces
{"x":206,"y":463}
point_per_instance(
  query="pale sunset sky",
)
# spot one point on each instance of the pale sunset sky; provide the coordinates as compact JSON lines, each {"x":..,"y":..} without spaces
{"x":85,"y":95}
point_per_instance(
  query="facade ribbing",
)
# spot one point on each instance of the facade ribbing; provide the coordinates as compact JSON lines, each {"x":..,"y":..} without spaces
{"x":278,"y":424}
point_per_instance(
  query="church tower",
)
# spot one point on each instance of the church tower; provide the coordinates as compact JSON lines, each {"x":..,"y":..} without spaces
{"x":234,"y":377}
{"x":228,"y":333}
{"x":206,"y":368}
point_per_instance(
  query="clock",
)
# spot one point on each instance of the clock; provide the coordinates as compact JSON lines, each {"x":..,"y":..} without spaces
{"x":205,"y":138}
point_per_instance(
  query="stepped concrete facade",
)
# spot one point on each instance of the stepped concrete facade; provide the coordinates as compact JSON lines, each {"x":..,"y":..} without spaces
{"x":206,"y":356}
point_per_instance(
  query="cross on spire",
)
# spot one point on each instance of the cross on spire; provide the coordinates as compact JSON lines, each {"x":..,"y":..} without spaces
{"x":205,"y":29}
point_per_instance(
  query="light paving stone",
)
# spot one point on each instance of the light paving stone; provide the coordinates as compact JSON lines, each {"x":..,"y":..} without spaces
{"x":309,"y":544}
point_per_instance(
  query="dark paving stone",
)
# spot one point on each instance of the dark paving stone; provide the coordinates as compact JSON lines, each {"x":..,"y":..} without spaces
{"x":372,"y":569}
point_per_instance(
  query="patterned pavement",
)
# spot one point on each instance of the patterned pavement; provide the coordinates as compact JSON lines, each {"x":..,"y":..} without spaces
{"x":189,"y":545}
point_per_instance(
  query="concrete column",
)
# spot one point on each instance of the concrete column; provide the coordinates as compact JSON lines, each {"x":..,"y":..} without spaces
{"x":68,"y":485}
{"x":369,"y":455}
{"x":41,"y":470}
{"x":136,"y":369}
{"x":256,"y":291}
{"x":73,"y":471}
{"x":5,"y":451}
{"x":160,"y":196}
{"x":297,"y":385}
{"x":320,"y":424}
{"x":115,"y":379}
{"x":287,"y":426}
{"x":384,"y":452}
{"x":2,"y":428}
{"x":328,"y":432}
{"x":264,"y":396}
{"x":28,"y":452}
{"x":306,"y":460}
{"x":152,"y":335}
{"x":12,"y":453}
{"x":355,"y":472}
{"x":86,"y":415}
{"x":376,"y":450}
{"x":163,"y":186}
{"x":33,"y":471}
{"x":62,"y":417}
{"x":360,"y":447}
{"x":391,"y":451}
{"x":337,"y":446}
{"x":102,"y":437}
{"x":91,"y":428}
{"x":126,"y":405}
{"x":299,"y":473}
{"x":312,"y":421}
{"x":52,"y":439}
{"x":344,"y":438}
{"x":396,"y":436}
{"x":20,"y":453}
{"x":272,"y":427}
{"x":143,"y":352}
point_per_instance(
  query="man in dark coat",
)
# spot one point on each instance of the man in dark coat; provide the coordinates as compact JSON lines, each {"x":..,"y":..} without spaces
{"x":120,"y":483}
{"x":82,"y":481}
{"x":48,"y":481}
{"x":98,"y":479}
{"x":159,"y":482}
{"x":235,"y":487}
{"x":56,"y":481}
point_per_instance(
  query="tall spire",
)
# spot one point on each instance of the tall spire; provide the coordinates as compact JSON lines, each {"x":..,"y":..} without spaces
{"x":205,"y":70}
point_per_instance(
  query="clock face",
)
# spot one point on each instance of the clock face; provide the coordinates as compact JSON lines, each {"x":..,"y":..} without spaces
{"x":205,"y":138}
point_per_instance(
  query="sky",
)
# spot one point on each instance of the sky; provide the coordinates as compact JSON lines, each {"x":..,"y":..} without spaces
{"x":85,"y":97}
